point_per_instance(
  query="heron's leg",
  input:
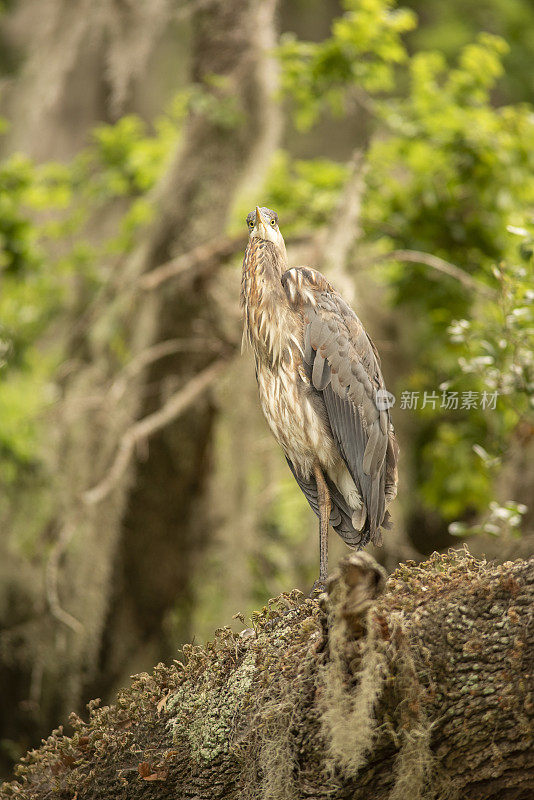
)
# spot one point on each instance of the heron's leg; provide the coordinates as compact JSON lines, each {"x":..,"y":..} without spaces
{"x":323,"y":496}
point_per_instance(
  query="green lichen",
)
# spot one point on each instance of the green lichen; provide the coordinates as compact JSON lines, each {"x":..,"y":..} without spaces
{"x":243,"y":701}
{"x":206,"y":716}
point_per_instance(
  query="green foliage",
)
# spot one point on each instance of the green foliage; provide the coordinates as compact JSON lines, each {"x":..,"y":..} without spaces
{"x":362,"y":53}
{"x":125,"y":159}
{"x":450,"y":26}
{"x":305,"y":193}
{"x":448,"y":172}
{"x":450,"y":177}
{"x":454,"y":170}
{"x":27,"y":301}
{"x":17,"y":246}
{"x":495,"y":354}
{"x":496,"y":345}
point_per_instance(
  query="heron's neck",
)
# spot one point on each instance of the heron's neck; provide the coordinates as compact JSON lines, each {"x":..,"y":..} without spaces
{"x":264,"y":300}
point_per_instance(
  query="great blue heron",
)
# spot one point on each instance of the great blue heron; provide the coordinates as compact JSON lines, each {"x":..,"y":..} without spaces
{"x":321,"y":389}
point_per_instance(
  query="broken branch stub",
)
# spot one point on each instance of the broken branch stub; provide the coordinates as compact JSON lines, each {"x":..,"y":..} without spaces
{"x":354,"y":587}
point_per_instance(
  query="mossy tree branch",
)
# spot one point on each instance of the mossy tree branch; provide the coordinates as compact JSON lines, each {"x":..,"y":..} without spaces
{"x":423,"y":690}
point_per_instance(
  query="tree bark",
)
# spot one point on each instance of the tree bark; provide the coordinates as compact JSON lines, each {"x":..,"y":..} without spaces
{"x":424,"y":691}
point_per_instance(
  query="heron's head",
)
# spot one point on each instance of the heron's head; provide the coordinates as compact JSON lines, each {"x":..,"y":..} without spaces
{"x":263,"y":224}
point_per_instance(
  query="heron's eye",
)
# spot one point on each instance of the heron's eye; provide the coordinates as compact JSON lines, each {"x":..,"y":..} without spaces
{"x":251,"y":224}
{"x":273,"y":222}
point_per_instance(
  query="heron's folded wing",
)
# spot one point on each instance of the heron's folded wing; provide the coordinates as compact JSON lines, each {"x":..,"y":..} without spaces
{"x":343,"y":365}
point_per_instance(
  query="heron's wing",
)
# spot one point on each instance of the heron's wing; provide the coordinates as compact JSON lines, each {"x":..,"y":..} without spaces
{"x":340,"y":513}
{"x":343,"y":365}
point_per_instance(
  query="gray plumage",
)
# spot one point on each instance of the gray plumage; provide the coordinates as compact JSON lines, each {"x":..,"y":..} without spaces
{"x":343,"y":365}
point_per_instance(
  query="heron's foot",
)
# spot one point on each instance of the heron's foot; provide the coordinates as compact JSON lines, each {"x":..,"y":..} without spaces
{"x":317,"y":589}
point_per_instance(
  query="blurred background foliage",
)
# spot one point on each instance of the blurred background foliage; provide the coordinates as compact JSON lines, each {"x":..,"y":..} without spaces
{"x":437,"y":99}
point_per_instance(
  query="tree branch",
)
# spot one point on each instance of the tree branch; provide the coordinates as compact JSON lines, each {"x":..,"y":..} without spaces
{"x":199,"y":261}
{"x":438,"y":264}
{"x":146,"y":427}
{"x":52,"y":569}
{"x":345,"y":227}
{"x":161,"y":350}
{"x":415,"y":688}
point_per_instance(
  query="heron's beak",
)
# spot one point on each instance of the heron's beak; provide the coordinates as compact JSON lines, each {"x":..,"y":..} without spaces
{"x":261,"y":230}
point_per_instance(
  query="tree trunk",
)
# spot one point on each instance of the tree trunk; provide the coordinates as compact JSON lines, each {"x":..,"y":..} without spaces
{"x":424,"y":691}
{"x":168,"y":490}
